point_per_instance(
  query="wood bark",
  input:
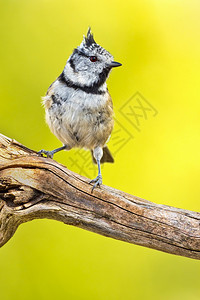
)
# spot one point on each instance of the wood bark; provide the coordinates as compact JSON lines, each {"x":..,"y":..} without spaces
{"x":33,"y":187}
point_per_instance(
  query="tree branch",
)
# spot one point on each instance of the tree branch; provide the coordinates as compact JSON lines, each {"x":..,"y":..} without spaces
{"x":34,"y":187}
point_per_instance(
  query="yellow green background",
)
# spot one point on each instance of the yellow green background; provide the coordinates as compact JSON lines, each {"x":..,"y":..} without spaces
{"x":158,"y":43}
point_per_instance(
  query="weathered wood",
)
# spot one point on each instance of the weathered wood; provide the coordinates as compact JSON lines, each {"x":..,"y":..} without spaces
{"x":35,"y":187}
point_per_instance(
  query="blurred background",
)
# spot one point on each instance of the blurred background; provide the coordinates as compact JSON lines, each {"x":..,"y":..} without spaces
{"x":156,"y":141}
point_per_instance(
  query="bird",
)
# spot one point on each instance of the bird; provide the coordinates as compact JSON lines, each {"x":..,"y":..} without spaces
{"x":78,"y":105}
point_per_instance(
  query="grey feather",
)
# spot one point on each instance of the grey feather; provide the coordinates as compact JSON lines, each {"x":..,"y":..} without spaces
{"x":107,"y":156}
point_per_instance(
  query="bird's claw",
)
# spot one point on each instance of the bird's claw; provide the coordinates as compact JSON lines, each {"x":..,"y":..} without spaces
{"x":49,"y":154}
{"x":97,"y":182}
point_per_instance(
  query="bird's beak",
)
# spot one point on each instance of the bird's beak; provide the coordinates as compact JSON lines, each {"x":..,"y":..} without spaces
{"x":114,"y":64}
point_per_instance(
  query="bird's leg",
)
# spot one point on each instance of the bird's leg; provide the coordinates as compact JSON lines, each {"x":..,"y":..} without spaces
{"x":50,"y":154}
{"x":98,"y":180}
{"x":98,"y":153}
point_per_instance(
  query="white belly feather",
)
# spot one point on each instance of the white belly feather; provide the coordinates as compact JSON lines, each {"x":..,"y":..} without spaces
{"x":82,"y":121}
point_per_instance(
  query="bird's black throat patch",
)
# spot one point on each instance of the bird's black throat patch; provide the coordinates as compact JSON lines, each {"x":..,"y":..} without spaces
{"x":93,"y":89}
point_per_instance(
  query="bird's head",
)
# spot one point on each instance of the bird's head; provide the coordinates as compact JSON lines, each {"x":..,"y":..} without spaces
{"x":90,"y":64}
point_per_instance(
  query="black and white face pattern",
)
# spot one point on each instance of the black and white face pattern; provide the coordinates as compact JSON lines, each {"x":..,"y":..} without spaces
{"x":89,"y":64}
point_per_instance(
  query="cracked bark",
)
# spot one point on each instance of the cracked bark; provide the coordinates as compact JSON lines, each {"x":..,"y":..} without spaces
{"x":33,"y":187}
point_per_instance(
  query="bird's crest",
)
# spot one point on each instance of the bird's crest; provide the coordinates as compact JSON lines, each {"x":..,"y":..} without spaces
{"x":89,"y":39}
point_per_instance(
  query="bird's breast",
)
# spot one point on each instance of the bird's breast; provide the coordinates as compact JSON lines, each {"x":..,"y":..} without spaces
{"x":82,"y":120}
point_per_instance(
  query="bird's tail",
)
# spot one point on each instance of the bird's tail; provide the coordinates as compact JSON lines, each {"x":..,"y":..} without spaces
{"x":107,"y":156}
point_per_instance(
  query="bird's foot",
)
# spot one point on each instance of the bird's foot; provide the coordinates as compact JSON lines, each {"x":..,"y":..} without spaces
{"x":97,"y":181}
{"x":49,"y":154}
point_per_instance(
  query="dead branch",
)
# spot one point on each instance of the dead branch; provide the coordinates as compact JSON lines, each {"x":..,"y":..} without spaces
{"x":33,"y":187}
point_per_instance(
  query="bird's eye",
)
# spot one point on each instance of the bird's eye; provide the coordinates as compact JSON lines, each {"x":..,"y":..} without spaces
{"x":93,"y":58}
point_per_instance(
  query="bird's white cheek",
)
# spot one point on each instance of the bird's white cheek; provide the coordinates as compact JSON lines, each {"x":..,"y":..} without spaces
{"x":86,"y":78}
{"x":82,"y":67}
